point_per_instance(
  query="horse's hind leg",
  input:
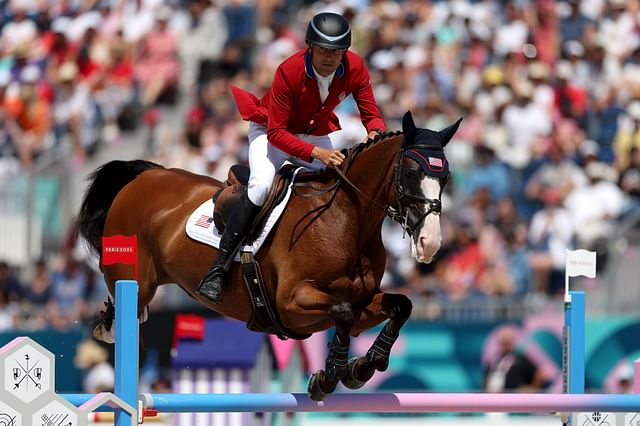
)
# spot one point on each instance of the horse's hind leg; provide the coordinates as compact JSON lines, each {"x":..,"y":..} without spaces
{"x":103,"y":329}
{"x":324,"y":382}
{"x":397,"y":308}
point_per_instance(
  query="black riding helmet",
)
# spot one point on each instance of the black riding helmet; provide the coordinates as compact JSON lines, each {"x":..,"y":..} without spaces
{"x":329,"y":30}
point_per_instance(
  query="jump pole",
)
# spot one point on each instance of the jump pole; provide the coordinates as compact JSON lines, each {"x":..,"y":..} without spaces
{"x":392,"y":403}
{"x":126,"y":348}
{"x":127,"y":386}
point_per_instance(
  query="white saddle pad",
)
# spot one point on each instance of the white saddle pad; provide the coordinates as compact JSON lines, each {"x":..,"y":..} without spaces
{"x":200,"y":226}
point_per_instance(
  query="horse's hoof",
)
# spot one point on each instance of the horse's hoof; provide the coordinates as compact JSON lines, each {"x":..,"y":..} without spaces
{"x":349,"y":380}
{"x":102,"y":335}
{"x":313,"y":390}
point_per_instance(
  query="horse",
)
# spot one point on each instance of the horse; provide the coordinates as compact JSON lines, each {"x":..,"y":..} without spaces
{"x":322,"y":265}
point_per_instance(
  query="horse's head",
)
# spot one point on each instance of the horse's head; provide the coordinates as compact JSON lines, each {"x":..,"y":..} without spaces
{"x":421,"y":175}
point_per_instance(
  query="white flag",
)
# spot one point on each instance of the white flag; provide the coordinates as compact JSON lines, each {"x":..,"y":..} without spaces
{"x":581,"y":262}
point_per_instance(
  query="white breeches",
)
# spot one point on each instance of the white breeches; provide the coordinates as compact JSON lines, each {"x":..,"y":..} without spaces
{"x":265,"y":160}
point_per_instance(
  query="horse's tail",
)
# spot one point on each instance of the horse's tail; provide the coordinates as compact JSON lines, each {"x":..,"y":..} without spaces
{"x":105,"y":183}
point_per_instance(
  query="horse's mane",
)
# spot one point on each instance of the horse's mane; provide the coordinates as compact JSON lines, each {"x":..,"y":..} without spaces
{"x":358,"y":148}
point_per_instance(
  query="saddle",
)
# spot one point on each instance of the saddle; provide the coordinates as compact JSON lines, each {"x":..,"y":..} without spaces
{"x":237,"y":179}
{"x":263,"y":317}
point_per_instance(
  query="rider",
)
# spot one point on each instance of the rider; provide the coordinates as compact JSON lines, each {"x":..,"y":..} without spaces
{"x":294,"y":121}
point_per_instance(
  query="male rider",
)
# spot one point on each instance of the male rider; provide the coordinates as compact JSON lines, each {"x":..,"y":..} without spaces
{"x":295,"y":121}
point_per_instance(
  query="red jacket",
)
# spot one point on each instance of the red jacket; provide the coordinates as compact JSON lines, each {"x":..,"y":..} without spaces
{"x":292,"y":104}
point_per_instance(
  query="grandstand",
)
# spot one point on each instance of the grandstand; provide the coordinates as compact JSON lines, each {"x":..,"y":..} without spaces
{"x":547,"y":157}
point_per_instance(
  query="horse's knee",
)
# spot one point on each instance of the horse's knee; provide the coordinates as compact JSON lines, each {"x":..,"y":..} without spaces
{"x":342,"y":312}
{"x":402,"y":307}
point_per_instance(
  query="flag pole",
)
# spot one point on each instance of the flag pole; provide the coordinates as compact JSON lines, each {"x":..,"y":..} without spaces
{"x":577,"y":263}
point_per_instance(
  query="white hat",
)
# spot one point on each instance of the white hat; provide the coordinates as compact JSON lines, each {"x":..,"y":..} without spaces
{"x":564,"y":69}
{"x":600,"y":170}
{"x":163,"y":13}
{"x":30,"y":74}
{"x":5,"y":78}
{"x":89,"y":353}
{"x":67,"y":71}
{"x":384,"y":60}
{"x":589,"y":147}
{"x":633,"y":109}
{"x":60,"y":24}
{"x":574,"y":47}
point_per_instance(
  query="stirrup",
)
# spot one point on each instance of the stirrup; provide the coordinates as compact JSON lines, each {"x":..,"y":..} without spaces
{"x":212,"y":286}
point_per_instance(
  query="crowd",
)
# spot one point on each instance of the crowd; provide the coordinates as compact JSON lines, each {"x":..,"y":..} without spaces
{"x":547,"y":156}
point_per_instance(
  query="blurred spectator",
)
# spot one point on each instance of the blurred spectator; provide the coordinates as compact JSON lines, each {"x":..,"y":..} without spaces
{"x":68,"y":289}
{"x":570,"y":99}
{"x":595,"y":221}
{"x":558,"y":174}
{"x":517,"y":258}
{"x":19,"y":29}
{"x":39,"y":292}
{"x":75,"y":111}
{"x":115,"y":96}
{"x":624,"y":380}
{"x":31,"y":112}
{"x":602,"y":123}
{"x":525,"y":122}
{"x":157,"y":65}
{"x":512,"y":371}
{"x":241,"y":20}
{"x":99,"y":373}
{"x":202,"y":44}
{"x":628,"y":135}
{"x":10,"y":288}
{"x":514,"y":233}
{"x":488,"y":173}
{"x":161,"y":385}
{"x":629,"y":182}
{"x":575,"y":26}
{"x":550,"y":235}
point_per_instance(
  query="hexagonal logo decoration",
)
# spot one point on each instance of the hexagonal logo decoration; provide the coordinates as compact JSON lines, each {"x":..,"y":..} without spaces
{"x":596,"y":418}
{"x":9,"y":416}
{"x":27,"y":370}
{"x":632,"y":419}
{"x":56,"y":413}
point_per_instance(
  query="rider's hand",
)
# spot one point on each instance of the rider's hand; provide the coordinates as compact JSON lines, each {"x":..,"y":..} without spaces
{"x":330,"y":157}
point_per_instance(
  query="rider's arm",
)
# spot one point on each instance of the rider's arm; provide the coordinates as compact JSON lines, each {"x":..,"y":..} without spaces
{"x":280,"y":106}
{"x":363,"y":95}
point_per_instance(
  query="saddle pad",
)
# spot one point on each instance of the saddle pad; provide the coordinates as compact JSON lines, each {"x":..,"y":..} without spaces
{"x":200,"y":226}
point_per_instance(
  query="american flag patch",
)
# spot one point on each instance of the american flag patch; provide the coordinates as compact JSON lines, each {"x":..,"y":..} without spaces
{"x":204,"y":221}
{"x":436,"y":162}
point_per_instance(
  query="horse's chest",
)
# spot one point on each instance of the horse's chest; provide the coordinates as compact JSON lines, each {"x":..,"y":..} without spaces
{"x":356,"y":280}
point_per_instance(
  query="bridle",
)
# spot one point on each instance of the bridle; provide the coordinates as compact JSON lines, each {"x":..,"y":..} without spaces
{"x":434,"y":205}
{"x":400,"y":214}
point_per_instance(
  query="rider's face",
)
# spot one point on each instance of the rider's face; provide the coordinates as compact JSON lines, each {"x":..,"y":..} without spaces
{"x":325,"y":61}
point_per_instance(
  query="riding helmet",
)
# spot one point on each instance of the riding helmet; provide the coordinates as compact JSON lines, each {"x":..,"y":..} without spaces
{"x":329,"y":30}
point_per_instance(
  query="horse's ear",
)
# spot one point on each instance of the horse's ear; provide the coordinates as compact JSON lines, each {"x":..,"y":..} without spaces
{"x":447,"y":134}
{"x":408,"y":128}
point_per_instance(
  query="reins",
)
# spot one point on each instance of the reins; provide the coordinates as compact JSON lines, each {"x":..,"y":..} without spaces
{"x":394,"y":213}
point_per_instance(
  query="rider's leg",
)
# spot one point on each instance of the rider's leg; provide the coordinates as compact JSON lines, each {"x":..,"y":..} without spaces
{"x":262,"y":173}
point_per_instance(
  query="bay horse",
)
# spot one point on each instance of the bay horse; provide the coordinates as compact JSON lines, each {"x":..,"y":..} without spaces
{"x":322,"y":264}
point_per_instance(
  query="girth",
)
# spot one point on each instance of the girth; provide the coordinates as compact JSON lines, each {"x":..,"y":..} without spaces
{"x":264,"y":318}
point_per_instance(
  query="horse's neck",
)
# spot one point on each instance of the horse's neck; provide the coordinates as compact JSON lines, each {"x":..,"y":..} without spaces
{"x":372,"y":168}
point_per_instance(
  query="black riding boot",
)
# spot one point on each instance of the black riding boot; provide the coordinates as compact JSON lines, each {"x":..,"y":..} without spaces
{"x":233,"y":236}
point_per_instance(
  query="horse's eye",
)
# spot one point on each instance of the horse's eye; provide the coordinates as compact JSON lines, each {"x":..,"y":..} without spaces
{"x":412,"y":173}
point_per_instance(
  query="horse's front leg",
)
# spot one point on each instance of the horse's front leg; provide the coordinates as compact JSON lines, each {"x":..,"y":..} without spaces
{"x":314,"y":305}
{"x":324,"y":382}
{"x":396,"y":307}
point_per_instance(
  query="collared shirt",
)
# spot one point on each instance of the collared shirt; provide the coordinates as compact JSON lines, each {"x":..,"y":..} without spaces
{"x":323,"y":84}
{"x":294,"y":106}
